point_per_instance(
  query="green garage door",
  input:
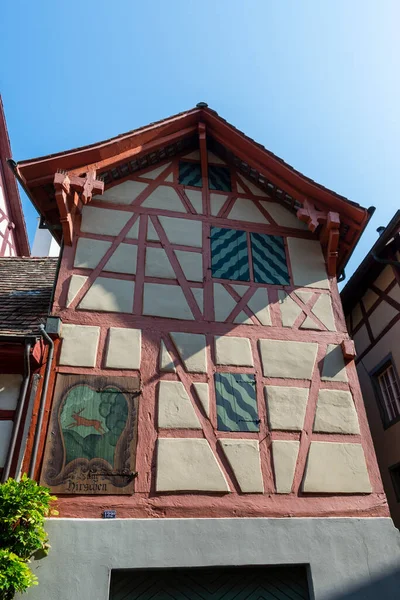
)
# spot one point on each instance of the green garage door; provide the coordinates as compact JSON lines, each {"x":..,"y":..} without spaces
{"x":240,"y":583}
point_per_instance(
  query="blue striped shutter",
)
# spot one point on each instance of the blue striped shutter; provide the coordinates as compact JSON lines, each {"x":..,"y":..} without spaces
{"x":236,"y":402}
{"x":190,"y":174}
{"x":269,"y":259}
{"x":219,"y":178}
{"x":229,"y":254}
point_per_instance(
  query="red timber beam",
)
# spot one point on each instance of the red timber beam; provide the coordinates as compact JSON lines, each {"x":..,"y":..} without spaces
{"x":70,"y":190}
{"x":329,"y":236}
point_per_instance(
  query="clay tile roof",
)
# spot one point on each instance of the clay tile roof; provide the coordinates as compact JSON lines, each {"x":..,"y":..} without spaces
{"x":26,"y":286}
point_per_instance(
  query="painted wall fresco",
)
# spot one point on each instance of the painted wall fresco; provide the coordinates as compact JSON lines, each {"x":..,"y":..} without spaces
{"x":92,"y":437}
{"x":217,"y":297}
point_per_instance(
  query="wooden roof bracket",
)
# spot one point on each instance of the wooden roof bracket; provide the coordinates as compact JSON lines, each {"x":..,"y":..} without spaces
{"x":329,"y":236}
{"x":71,"y":191}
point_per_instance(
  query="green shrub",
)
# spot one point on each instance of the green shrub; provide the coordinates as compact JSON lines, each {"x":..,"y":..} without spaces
{"x":24,"y":506}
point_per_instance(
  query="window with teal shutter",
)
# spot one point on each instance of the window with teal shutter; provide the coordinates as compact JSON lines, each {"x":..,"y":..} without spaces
{"x":269,"y":259}
{"x":219,"y":178}
{"x":229,"y":254}
{"x":236,"y":402}
{"x":190,"y":174}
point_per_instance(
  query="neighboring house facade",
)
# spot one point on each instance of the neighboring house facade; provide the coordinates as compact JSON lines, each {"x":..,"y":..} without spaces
{"x":204,"y":385}
{"x":13,"y":236}
{"x":371,"y":301}
{"x":26,"y":286}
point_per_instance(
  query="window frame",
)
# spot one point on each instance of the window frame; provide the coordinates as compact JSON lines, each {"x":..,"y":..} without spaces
{"x":251,"y":279}
{"x":375,"y":374}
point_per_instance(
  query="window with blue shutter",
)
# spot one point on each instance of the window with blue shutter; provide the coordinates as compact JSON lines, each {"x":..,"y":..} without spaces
{"x":219,"y":178}
{"x":229,"y":254}
{"x":269,"y":259}
{"x":236,"y":402}
{"x":190,"y":174}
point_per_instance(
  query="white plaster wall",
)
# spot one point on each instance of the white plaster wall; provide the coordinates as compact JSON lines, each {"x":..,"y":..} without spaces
{"x":345,"y":556}
{"x":10,"y":386}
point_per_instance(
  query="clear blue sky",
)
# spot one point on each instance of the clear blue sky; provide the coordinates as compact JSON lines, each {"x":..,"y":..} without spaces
{"x":316,"y":82}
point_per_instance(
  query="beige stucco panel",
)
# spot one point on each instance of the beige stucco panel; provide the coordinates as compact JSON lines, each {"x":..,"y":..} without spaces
{"x":289,"y":309}
{"x":133,"y":233}
{"x":304,"y":295}
{"x":233,"y":351}
{"x":152,"y":234}
{"x":385,"y":278}
{"x":244,"y":459}
{"x":395,"y":293}
{"x":334,"y":368}
{"x":103,"y":221}
{"x":213,"y":158}
{"x":361,"y":339}
{"x":196,"y":200}
{"x":252,"y":187}
{"x":323,"y":310}
{"x":243,"y":319}
{"x":282,"y":216}
{"x":165,"y":301}
{"x":369,"y":299}
{"x":335,"y":468}
{"x":285,"y":458}
{"x":198,"y":294}
{"x":381,"y":317}
{"x":308,"y":264}
{"x":166,"y":363}
{"x":259,"y":304}
{"x":165,"y":197}
{"x":336,"y":413}
{"x":175,"y":409}
{"x":294,"y":360}
{"x":109,"y":295}
{"x":123,"y":260}
{"x":223,"y":302}
{"x":10,"y":386}
{"x":154,"y":173}
{"x":192,"y":350}
{"x":184,"y":232}
{"x":188,"y":465}
{"x":124,"y":193}
{"x":309,"y":323}
{"x":356,"y":315}
{"x":191,"y":264}
{"x":158,"y":264}
{"x":75,"y":284}
{"x":89,"y":252}
{"x":203,"y":395}
{"x":79,"y":345}
{"x":245,"y":210}
{"x":286,"y":407}
{"x":217,"y":201}
{"x":124,"y":348}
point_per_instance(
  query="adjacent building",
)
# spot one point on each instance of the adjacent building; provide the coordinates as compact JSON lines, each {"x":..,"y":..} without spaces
{"x":13,"y":236}
{"x":371,"y":301}
{"x":203,"y":410}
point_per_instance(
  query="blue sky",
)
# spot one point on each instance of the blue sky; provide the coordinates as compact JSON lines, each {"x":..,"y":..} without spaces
{"x":316,"y":82}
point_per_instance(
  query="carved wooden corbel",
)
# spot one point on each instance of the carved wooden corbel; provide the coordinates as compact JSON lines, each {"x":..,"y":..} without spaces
{"x":329,"y":234}
{"x":69,"y":191}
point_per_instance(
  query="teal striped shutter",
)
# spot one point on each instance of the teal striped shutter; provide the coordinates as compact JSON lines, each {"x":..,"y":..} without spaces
{"x":236,"y":402}
{"x":219,"y":178}
{"x":269,"y":259}
{"x":190,"y":174}
{"x":229,"y":254}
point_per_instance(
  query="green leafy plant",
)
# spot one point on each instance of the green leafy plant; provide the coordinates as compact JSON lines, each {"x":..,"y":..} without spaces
{"x":24,"y":506}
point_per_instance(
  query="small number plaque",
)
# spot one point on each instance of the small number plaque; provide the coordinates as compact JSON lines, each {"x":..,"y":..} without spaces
{"x":109,"y":514}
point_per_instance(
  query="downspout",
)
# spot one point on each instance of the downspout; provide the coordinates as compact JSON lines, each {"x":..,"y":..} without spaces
{"x":39,"y":423}
{"x":20,"y":407}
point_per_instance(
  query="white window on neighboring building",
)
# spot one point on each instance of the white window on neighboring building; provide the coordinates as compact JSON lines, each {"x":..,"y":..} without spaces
{"x":388,"y":390}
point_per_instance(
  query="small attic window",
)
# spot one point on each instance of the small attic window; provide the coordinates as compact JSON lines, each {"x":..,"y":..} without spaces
{"x":219,"y":178}
{"x":190,"y":174}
